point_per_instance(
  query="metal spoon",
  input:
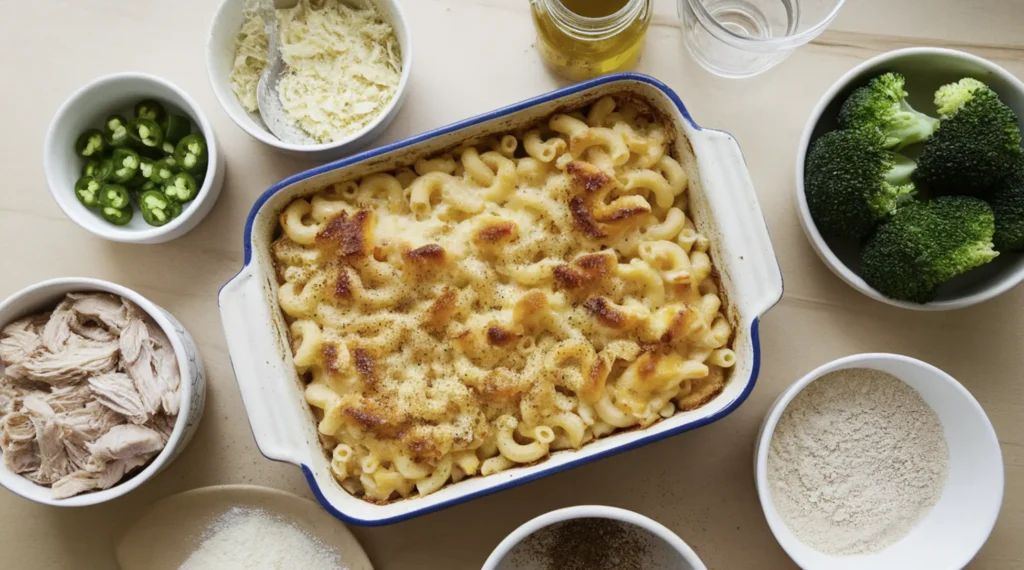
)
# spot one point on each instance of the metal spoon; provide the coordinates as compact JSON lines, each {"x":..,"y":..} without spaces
{"x":267,"y":95}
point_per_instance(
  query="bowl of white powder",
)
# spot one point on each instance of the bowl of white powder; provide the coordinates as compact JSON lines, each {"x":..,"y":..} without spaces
{"x":238,"y":527}
{"x":879,"y":461}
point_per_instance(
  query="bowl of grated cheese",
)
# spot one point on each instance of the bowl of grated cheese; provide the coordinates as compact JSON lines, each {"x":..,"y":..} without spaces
{"x":348,"y":67}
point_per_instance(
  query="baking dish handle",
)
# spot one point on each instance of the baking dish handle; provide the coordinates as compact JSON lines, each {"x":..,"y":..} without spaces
{"x":744,"y":231}
{"x":259,"y":371}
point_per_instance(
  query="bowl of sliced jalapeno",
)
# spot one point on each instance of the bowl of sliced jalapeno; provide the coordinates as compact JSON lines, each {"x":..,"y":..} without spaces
{"x":131,"y":158}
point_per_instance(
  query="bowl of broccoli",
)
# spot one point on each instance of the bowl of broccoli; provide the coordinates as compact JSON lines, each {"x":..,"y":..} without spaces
{"x":910,"y":179}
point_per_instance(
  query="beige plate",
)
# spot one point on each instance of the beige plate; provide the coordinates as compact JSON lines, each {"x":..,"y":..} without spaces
{"x":165,"y":536}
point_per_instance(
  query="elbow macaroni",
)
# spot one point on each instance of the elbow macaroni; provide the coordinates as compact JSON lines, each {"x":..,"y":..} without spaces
{"x":498,"y":302}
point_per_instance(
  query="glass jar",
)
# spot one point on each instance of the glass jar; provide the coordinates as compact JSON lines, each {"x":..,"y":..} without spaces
{"x":577,"y":47}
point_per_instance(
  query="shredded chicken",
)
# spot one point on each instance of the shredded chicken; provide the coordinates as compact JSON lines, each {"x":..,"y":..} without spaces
{"x":21,"y":339}
{"x":116,"y":391}
{"x":68,"y":398}
{"x":54,"y":462}
{"x":18,"y":440}
{"x":110,"y":311}
{"x":127,"y":441}
{"x":76,"y":362}
{"x":88,"y":393}
{"x":57,"y":332}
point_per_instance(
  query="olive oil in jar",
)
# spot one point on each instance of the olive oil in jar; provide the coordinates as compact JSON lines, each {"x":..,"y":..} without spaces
{"x":594,"y":8}
{"x":580,"y":39}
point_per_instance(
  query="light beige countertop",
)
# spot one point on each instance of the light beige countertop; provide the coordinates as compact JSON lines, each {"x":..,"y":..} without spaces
{"x":471,"y":57}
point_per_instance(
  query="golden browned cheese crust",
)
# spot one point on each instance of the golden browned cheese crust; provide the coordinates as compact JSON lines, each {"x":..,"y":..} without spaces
{"x":498,"y":302}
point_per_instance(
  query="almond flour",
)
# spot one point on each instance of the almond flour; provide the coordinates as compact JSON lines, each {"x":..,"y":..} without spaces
{"x":857,"y":459}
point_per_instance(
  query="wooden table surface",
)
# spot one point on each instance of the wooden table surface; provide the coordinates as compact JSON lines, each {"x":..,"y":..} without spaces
{"x":471,"y":57}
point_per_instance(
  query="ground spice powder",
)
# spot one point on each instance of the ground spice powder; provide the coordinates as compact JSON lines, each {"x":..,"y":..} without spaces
{"x":586,"y":544}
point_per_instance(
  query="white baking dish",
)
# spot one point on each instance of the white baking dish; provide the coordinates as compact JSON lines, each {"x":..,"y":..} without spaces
{"x":723,"y":203}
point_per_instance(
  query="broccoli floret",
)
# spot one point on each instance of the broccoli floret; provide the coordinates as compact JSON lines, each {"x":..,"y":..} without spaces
{"x":882,"y":105}
{"x":852,"y":183}
{"x":925,"y":244}
{"x":977,"y":142}
{"x":1007,"y":201}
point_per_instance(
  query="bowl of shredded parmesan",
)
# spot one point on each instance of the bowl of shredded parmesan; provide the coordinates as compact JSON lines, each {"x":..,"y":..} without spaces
{"x":347,"y":61}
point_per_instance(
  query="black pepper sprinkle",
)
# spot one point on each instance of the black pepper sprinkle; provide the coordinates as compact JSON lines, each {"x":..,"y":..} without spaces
{"x":586,"y":544}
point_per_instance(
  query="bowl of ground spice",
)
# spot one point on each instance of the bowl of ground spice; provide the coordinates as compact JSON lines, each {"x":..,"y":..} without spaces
{"x":879,"y":461}
{"x":593,"y":537}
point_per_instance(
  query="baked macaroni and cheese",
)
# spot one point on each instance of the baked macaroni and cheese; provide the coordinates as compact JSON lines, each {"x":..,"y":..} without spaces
{"x":501,"y":301}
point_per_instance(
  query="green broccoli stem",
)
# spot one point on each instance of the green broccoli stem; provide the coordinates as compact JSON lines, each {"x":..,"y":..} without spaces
{"x":902,"y":170}
{"x":909,"y":127}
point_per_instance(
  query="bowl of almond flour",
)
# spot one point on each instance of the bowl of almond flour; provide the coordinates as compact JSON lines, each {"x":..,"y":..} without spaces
{"x":879,"y":461}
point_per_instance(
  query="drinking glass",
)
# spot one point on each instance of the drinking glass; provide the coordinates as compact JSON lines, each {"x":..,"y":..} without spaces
{"x":741,"y":38}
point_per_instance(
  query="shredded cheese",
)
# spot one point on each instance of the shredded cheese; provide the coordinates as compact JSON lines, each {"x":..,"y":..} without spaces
{"x":250,"y":57}
{"x":344,"y":64}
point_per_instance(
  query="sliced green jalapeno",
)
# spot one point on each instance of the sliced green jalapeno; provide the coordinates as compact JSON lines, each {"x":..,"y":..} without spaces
{"x":146,"y":137}
{"x":115,"y":131}
{"x":162,"y":172}
{"x":190,"y":152}
{"x":137,"y":192}
{"x":181,"y":187}
{"x":105,"y":169}
{"x":87,"y":190}
{"x":158,"y":209}
{"x":114,"y":143}
{"x":176,"y":127}
{"x":168,"y":148}
{"x":174,"y":209}
{"x":126,"y":164}
{"x":146,"y":167}
{"x":140,"y":178}
{"x":146,"y":187}
{"x":90,"y":167}
{"x":137,"y":181}
{"x":117,"y":216}
{"x":114,"y":196}
{"x":149,"y":109}
{"x":90,"y":143}
{"x":115,"y":125}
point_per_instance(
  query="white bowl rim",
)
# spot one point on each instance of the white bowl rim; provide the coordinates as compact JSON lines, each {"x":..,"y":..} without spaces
{"x":155,"y":312}
{"x":804,"y":214}
{"x":591,"y":512}
{"x":117,"y":233}
{"x":862,"y":360}
{"x":267,"y":137}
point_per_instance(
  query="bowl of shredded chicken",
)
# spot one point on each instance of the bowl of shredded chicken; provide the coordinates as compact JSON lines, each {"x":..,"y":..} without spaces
{"x":99,"y":390}
{"x":347,"y":63}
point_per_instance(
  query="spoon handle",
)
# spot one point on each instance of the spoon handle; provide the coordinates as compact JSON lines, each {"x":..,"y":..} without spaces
{"x":268,"y":12}
{"x":267,"y":96}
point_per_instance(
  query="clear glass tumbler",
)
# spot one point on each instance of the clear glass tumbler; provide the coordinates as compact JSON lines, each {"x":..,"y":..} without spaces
{"x":741,"y":38}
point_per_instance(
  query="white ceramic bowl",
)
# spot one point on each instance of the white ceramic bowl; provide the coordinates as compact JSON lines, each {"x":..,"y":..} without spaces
{"x":667,"y":548}
{"x":925,"y":69}
{"x":220,"y":55}
{"x":167,"y":534}
{"x":86,"y":109}
{"x":953,"y":531}
{"x":45,"y":296}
